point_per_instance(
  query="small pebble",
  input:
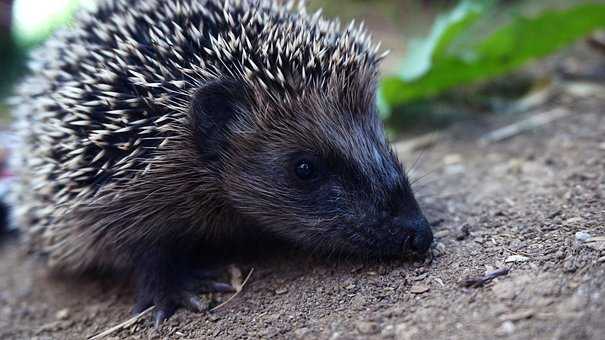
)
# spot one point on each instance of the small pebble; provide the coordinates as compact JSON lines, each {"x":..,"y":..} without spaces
{"x":454,"y":169}
{"x":507,"y":328}
{"x":406,"y":332}
{"x":463,"y":232}
{"x":560,"y":254}
{"x":572,"y":221}
{"x":63,"y":314}
{"x":439,"y":249}
{"x":419,"y":289}
{"x":420,"y":277}
{"x":441,"y":233}
{"x":452,"y":159}
{"x":335,"y":335}
{"x":583,"y":236}
{"x":569,"y":266}
{"x":281,"y":291}
{"x":388,"y":331}
{"x":515,"y":166}
{"x":516,"y":258}
{"x":301,"y":332}
{"x":519,"y":315}
{"x":365,"y":327}
{"x":274,"y":316}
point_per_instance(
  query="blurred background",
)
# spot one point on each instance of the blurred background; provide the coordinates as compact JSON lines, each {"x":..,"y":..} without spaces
{"x":449,"y":60}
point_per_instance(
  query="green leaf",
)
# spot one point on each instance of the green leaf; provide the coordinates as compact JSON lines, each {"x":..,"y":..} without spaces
{"x":422,"y":52}
{"x":505,"y":49}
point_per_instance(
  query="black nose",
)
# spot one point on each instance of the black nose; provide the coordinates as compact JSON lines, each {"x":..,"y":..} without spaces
{"x":423,"y":236}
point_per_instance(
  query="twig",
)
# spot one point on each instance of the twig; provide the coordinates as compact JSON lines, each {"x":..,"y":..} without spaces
{"x":236,"y":293}
{"x":514,"y":129}
{"x":475,"y":282}
{"x":123,"y":325}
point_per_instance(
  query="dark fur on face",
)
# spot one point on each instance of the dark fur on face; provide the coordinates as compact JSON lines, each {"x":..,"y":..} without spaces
{"x":316,"y":170}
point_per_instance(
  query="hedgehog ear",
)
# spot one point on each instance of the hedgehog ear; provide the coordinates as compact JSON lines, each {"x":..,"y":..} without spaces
{"x":214,"y":105}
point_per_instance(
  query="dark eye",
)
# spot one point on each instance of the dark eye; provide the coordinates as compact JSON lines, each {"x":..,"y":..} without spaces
{"x":305,"y":169}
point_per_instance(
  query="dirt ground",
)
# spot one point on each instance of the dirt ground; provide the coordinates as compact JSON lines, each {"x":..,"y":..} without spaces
{"x":533,"y":203}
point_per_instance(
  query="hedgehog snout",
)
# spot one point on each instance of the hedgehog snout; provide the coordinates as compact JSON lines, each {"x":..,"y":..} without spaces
{"x":413,"y":233}
{"x":419,"y":229}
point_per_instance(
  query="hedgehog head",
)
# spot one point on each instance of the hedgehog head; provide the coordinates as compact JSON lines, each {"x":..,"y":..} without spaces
{"x":315,"y":169}
{"x":292,"y":132}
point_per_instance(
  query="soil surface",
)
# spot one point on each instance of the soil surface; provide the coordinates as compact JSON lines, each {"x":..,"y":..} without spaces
{"x":533,"y":204}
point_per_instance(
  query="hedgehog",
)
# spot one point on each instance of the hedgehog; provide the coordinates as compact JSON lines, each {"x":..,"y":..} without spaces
{"x":153,"y":129}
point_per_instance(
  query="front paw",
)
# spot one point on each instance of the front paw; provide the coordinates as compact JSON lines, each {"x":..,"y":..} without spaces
{"x":169,"y":289}
{"x":167,"y":302}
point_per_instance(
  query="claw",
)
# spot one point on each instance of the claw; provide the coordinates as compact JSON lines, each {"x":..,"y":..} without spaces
{"x":162,"y":314}
{"x":193,"y":303}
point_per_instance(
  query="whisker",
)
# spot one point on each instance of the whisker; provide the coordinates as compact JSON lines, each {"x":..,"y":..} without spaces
{"x":417,"y":161}
{"x":432,"y":171}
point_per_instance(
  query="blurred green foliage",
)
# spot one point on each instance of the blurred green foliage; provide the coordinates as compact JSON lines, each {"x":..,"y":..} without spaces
{"x":503,"y":50}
